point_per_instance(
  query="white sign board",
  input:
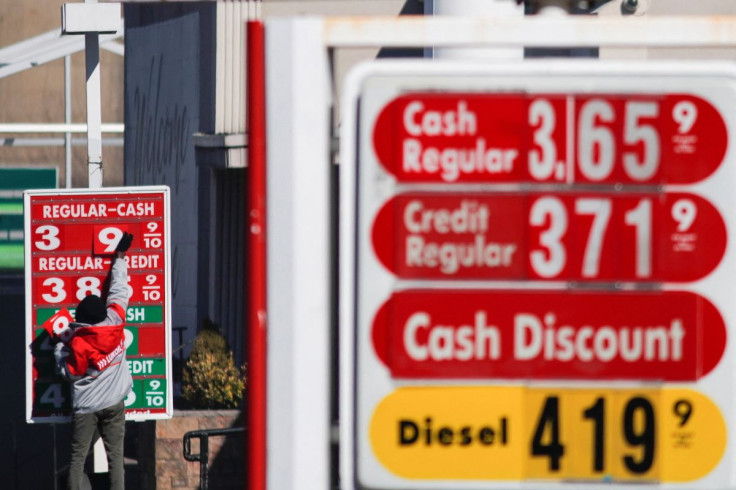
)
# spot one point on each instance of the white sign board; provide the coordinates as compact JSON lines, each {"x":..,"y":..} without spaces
{"x":70,"y":238}
{"x":537,"y":284}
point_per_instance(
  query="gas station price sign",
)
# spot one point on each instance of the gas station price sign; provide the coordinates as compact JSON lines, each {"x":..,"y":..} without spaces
{"x":540,"y":283}
{"x":70,"y":240}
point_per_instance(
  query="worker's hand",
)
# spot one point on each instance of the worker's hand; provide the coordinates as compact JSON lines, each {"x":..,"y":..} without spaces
{"x":124,"y":243}
{"x":61,"y":351}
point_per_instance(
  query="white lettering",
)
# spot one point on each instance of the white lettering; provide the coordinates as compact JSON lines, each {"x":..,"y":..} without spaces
{"x":527,"y":336}
{"x":583,"y":352}
{"x":415,"y":322}
{"x":677,"y":333}
{"x":446,"y":342}
{"x":135,"y":315}
{"x":451,"y":162}
{"x":449,"y":257}
{"x":534,"y":337}
{"x":101,"y":364}
{"x":75,"y":210}
{"x":459,"y":121}
{"x":411,"y":127}
{"x":135,"y":209}
{"x":140,"y":366}
{"x":70,"y":263}
{"x":142,"y":261}
{"x":469,"y":217}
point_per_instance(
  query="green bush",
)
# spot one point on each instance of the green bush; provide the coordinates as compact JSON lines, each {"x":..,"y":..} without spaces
{"x":210,"y":378}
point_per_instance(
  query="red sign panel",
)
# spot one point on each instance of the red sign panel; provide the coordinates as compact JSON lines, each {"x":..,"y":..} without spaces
{"x":552,"y":138}
{"x":69,"y":290}
{"x":564,"y":236}
{"x":71,"y":238}
{"x":668,"y":336}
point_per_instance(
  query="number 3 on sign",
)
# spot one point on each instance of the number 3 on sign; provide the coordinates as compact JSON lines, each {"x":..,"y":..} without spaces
{"x":48,"y":237}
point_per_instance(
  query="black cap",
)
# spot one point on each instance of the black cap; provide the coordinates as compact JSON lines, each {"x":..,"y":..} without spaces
{"x":91,"y":310}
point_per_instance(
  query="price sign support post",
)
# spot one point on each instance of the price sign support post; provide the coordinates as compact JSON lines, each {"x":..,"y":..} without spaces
{"x":70,"y":238}
{"x":92,"y":19}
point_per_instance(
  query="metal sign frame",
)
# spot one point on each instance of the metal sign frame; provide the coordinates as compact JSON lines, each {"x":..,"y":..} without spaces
{"x":137,"y":414}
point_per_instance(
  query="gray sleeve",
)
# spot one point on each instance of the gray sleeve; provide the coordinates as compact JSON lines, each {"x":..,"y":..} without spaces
{"x":118,"y":293}
{"x":61,"y":352}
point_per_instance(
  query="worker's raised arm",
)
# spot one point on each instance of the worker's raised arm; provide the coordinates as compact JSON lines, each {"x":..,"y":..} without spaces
{"x":118,"y":293}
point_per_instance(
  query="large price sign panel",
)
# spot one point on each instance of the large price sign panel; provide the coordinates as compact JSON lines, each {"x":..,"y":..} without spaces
{"x":70,"y":240}
{"x":539,"y":276}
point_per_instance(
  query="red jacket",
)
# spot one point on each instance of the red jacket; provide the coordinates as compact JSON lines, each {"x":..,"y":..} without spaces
{"x":96,"y":346}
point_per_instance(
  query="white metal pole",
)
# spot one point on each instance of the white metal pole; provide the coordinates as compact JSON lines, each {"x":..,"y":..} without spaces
{"x":94,"y":161}
{"x":298,"y":263}
{"x":495,"y":9}
{"x":68,"y":120}
{"x":94,"y":110}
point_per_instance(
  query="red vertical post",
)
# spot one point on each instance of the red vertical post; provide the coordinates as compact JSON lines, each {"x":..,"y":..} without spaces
{"x":256,"y":279}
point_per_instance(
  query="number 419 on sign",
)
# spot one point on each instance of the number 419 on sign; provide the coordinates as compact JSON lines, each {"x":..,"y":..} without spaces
{"x":645,"y":435}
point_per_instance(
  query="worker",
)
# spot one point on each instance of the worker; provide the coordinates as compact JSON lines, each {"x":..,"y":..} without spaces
{"x":94,"y":362}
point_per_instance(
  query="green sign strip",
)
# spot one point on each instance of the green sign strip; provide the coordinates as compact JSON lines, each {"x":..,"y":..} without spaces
{"x":13,"y":181}
{"x":12,"y":207}
{"x":131,"y":339}
{"x":147,"y":366}
{"x":21,"y":179}
{"x":147,"y":393}
{"x":145,"y":314}
{"x":11,"y":255}
{"x":135,"y":314}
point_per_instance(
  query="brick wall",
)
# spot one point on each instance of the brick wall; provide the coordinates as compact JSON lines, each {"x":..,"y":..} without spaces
{"x":161,"y":463}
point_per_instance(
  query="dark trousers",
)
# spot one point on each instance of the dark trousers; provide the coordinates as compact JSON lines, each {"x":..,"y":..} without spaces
{"x":110,"y":423}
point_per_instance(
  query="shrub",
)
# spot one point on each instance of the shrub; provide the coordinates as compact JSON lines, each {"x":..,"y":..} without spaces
{"x":210,"y":378}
